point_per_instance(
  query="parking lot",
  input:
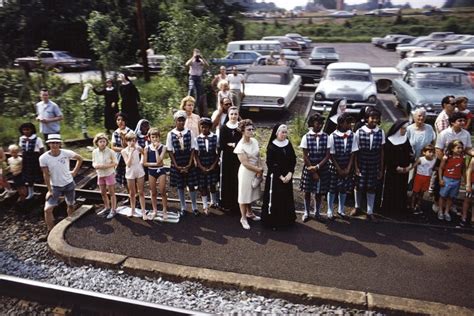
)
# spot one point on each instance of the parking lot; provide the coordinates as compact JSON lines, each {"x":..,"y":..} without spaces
{"x":348,"y":52}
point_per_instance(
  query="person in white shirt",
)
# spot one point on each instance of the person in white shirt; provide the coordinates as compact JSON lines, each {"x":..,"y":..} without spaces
{"x":58,"y":178}
{"x":48,"y":114}
{"x":196,"y":65}
{"x":104,"y":160}
{"x":424,"y":169}
{"x":237,"y":86}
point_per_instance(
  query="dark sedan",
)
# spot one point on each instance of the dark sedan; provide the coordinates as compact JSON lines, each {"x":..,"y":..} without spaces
{"x":309,"y":73}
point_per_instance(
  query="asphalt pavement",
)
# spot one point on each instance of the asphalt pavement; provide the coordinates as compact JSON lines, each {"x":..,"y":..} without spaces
{"x":427,"y":263}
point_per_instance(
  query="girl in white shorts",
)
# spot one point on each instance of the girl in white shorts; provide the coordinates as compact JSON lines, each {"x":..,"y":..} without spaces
{"x":134,"y":173}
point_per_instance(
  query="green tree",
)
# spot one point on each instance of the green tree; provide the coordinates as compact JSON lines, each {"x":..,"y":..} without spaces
{"x":106,"y":38}
{"x":181,"y":34}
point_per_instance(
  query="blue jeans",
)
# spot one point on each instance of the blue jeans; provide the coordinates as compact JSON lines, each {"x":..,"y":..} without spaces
{"x":451,"y":188}
{"x":195,"y":88}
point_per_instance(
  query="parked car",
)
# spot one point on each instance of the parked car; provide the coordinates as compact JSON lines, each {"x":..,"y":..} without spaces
{"x":269,"y":88}
{"x":383,"y":12}
{"x":425,"y":87}
{"x":436,"y":11}
{"x":154,"y":65}
{"x":239,"y":57}
{"x":323,"y":55}
{"x":341,"y":14}
{"x":307,"y":40}
{"x":259,"y":46}
{"x":392,"y":45}
{"x":466,"y":52}
{"x":404,"y":49}
{"x":452,"y":50}
{"x":53,"y":59}
{"x":352,"y":81}
{"x":286,"y":42}
{"x":298,"y":38}
{"x":309,"y":74}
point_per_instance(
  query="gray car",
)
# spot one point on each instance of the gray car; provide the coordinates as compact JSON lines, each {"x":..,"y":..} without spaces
{"x":426,"y":86}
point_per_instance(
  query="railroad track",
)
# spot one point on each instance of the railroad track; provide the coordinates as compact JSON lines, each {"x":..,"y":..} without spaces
{"x":81,"y":302}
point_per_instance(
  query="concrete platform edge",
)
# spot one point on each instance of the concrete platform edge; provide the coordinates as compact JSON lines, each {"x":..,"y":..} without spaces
{"x":79,"y":256}
{"x":302,"y":292}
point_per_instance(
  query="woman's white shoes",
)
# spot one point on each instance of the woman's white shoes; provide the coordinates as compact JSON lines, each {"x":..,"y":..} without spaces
{"x":244,"y":223}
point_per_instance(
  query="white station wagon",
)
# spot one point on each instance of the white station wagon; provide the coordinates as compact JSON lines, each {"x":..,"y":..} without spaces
{"x":270,"y":88}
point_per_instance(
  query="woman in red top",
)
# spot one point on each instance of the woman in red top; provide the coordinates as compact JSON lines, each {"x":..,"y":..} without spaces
{"x":450,"y":174}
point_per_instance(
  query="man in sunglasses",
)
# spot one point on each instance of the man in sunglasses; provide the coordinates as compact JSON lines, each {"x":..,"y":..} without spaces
{"x":442,"y":121}
{"x":219,"y":116}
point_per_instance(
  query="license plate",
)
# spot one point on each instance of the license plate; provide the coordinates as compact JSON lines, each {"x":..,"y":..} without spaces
{"x":254,"y":109}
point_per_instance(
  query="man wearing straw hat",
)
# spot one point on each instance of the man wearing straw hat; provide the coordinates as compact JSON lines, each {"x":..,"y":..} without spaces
{"x":58,"y":177}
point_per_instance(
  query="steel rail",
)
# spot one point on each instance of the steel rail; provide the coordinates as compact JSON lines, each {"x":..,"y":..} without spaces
{"x":82,"y":301}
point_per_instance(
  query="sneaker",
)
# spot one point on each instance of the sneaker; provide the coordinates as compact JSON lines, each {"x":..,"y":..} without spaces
{"x":111,"y":214}
{"x":435,"y":207}
{"x":103,"y":212}
{"x":440,"y":216}
{"x":417,"y":211}
{"x":182,"y":213}
{"x":244,"y":223}
{"x":447,"y":217}
{"x":341,"y":215}
{"x":196,"y":213}
{"x":330,"y":217}
{"x":305,"y":217}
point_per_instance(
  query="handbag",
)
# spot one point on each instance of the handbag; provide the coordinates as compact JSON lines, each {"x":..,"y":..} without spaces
{"x":256,"y":181}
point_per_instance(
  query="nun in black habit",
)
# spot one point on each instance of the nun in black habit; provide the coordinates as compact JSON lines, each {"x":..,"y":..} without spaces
{"x":338,"y":107}
{"x":278,"y":208}
{"x":398,"y":156}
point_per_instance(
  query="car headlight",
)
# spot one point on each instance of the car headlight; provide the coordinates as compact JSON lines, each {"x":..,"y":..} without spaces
{"x":281,"y":101}
{"x":319,"y":96}
{"x":372,"y":99}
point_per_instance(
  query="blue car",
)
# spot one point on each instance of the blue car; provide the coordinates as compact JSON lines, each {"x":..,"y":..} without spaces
{"x":239,"y":57}
{"x":426,"y":86}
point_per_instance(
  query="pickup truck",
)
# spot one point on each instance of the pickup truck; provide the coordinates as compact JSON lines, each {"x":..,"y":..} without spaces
{"x":238,"y":57}
{"x":53,"y":60}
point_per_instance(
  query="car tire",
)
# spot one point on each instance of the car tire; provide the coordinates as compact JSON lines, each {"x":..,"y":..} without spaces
{"x":384,"y":86}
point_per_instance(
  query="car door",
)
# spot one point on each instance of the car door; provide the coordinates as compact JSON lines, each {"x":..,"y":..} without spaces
{"x":47,"y":59}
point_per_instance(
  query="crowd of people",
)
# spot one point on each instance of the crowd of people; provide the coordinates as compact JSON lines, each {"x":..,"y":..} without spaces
{"x":219,"y":157}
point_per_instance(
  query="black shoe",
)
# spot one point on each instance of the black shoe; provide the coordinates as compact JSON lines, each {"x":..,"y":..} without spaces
{"x":182,"y":213}
{"x":319,"y":218}
{"x":342,"y":216}
{"x":464,"y":224}
{"x":196,"y":213}
{"x":417,"y":211}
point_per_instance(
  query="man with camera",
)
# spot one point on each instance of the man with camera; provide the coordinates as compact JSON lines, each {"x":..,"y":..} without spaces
{"x":196,"y":66}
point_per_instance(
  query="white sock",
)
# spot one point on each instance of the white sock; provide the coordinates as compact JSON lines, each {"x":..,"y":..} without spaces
{"x":342,"y":202}
{"x":358,"y":198}
{"x":182,"y":200}
{"x":204,"y":201}
{"x":31,"y":192}
{"x":214,"y":199}
{"x":370,"y":203}
{"x":193,"y":199}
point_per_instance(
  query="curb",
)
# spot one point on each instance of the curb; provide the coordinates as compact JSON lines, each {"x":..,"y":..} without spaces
{"x":302,"y":292}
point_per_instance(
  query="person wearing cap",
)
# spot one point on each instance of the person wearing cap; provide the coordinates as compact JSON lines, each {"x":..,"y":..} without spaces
{"x":207,"y":158}
{"x":181,"y":145}
{"x":58,"y":178}
{"x":48,"y":114}
{"x":111,"y":98}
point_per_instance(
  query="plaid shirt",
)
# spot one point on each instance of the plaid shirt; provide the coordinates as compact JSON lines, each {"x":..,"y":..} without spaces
{"x":442,"y":122}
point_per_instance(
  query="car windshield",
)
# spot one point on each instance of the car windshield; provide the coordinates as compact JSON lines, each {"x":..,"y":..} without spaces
{"x":63,"y":55}
{"x":264,"y":78}
{"x":348,"y":75}
{"x":437,"y":80}
{"x":325,"y":50}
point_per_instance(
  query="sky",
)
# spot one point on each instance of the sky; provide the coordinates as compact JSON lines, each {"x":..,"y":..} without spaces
{"x":290,"y":4}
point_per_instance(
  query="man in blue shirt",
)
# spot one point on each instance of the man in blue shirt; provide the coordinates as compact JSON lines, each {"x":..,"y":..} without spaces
{"x":48,"y":114}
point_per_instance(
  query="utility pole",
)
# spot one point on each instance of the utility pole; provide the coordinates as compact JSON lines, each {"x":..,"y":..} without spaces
{"x":142,"y":37}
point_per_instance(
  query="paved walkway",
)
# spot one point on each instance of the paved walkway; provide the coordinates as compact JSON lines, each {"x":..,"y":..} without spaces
{"x":425,"y":263}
